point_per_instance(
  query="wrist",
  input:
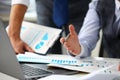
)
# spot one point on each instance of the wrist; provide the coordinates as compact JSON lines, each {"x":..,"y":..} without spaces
{"x":13,"y":35}
{"x":78,"y":51}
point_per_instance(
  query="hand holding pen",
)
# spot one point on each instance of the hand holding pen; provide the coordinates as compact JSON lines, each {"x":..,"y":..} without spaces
{"x":71,"y":42}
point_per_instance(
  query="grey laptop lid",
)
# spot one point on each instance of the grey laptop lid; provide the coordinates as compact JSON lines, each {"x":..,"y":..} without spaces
{"x":8,"y":61}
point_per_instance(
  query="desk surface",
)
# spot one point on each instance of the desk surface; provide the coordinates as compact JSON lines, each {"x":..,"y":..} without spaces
{"x":6,"y":77}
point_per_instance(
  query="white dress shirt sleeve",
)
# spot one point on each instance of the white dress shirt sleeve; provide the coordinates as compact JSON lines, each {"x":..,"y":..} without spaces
{"x":24,"y":2}
{"x":89,"y":34}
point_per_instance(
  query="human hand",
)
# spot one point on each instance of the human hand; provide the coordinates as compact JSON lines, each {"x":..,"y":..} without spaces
{"x":119,"y":67}
{"x":20,"y":47}
{"x":72,"y":43}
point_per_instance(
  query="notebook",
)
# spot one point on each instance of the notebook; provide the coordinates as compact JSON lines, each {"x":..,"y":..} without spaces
{"x":9,"y":63}
{"x":40,"y":38}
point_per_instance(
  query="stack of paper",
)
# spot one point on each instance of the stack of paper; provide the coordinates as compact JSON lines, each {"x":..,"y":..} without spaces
{"x":91,"y":65}
{"x":67,"y":62}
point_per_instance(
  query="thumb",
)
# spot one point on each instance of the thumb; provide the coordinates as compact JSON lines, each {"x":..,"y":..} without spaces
{"x":72,"y":30}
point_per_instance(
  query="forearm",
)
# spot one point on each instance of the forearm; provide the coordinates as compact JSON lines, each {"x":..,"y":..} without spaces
{"x":16,"y":18}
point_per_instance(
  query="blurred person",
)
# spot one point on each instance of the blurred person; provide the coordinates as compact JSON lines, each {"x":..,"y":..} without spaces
{"x":5,"y":6}
{"x":102,"y":14}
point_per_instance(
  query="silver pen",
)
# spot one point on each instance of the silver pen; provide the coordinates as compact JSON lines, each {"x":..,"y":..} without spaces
{"x":66,"y":38}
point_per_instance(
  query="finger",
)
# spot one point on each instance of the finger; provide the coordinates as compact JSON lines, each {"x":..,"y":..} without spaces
{"x":62,"y":40}
{"x":74,"y":51}
{"x":66,"y":44}
{"x":72,"y":30}
{"x":19,"y":50}
{"x":70,"y":49}
{"x":29,"y":49}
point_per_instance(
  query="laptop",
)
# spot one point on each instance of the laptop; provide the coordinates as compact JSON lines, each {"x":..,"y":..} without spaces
{"x":10,"y":65}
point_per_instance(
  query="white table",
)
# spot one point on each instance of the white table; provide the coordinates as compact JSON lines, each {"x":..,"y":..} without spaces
{"x":6,"y":77}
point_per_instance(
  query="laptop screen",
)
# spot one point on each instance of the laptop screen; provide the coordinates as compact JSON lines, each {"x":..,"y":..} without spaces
{"x":8,"y":61}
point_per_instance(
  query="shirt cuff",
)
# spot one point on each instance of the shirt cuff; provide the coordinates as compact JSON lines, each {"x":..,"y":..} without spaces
{"x":24,"y":2}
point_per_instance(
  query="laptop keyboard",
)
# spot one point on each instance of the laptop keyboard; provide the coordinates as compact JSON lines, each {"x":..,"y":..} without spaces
{"x":31,"y":71}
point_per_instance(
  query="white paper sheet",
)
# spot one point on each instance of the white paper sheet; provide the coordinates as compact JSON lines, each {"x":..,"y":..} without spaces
{"x":86,"y":77}
{"x":40,"y":38}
